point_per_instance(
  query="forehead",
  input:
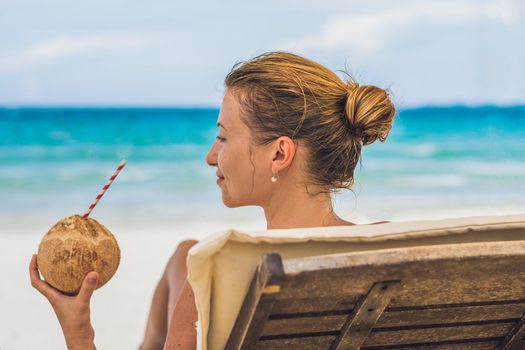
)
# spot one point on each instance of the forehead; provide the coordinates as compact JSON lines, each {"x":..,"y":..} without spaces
{"x":230,"y":113}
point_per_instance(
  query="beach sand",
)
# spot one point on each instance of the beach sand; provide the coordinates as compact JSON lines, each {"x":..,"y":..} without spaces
{"x":120,"y":308}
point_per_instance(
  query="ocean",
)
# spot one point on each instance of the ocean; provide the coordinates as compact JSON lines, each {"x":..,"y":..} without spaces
{"x":437,"y":162}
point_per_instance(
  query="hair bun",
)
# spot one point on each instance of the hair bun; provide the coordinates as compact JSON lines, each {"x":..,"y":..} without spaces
{"x":369,"y":111}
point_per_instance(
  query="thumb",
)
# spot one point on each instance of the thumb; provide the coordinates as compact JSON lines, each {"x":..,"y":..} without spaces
{"x":89,"y":285}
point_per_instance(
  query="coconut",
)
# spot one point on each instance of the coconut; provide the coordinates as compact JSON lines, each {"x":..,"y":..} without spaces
{"x":72,"y":248}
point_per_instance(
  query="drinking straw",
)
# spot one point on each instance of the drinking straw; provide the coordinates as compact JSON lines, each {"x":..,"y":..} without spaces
{"x":104,"y":189}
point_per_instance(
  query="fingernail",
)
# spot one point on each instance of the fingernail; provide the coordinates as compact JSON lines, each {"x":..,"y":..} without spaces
{"x":92,"y":279}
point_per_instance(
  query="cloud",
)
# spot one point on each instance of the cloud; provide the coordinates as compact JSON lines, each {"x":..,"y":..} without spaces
{"x":64,"y":47}
{"x":513,"y":13}
{"x":368,"y":33}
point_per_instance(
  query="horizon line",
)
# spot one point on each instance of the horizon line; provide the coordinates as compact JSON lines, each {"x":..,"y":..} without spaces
{"x":216,"y":107}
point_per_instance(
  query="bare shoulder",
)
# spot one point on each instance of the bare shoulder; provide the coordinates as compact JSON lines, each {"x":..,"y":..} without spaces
{"x":177,"y":260}
{"x":185,"y":245}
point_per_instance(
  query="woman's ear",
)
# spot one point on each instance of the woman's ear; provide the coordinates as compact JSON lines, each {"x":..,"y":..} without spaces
{"x":283,"y":152}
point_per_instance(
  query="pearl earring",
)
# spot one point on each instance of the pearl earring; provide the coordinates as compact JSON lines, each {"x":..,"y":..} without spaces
{"x":274,"y":178}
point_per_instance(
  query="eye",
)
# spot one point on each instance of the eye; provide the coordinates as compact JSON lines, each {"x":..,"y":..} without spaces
{"x":221,"y":139}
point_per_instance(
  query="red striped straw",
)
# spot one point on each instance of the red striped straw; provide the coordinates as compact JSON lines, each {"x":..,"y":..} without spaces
{"x":104,"y":189}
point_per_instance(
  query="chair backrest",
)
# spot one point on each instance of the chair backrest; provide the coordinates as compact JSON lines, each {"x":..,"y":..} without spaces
{"x":459,"y":296}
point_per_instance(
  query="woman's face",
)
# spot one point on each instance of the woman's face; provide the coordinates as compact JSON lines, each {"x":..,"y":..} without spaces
{"x":243,"y":170}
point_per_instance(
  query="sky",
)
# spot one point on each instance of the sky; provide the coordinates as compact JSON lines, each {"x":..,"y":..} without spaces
{"x":177,"y":53}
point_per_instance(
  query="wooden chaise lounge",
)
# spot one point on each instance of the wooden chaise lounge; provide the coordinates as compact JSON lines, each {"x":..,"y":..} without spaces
{"x":452,"y":296}
{"x":455,"y":283}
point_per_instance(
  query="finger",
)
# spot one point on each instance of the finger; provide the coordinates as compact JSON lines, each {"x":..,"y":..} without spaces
{"x":89,"y":285}
{"x":43,"y":287}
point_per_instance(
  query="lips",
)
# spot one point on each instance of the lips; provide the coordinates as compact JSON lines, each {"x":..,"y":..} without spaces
{"x":219,"y":176}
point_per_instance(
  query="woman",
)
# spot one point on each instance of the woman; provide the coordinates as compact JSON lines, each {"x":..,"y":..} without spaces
{"x":290,"y":134}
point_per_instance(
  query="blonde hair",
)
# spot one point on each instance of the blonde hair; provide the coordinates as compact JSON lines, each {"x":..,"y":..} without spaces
{"x":284,"y":94}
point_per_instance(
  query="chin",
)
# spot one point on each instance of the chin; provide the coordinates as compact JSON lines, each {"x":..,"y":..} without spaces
{"x":232,"y":203}
{"x":229,"y":203}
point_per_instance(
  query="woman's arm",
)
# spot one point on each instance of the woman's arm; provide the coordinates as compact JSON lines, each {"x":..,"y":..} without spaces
{"x":182,"y":334}
{"x":157,"y":325}
{"x":171,"y":286}
{"x":173,"y":278}
{"x":73,"y":312}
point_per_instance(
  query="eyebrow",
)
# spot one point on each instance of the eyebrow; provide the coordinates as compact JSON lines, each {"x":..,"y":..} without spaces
{"x":220,"y":125}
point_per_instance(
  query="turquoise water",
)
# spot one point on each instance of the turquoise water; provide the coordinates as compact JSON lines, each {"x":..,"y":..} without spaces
{"x":61,"y":157}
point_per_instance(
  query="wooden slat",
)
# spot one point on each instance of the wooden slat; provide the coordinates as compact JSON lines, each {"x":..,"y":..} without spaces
{"x":304,"y":305}
{"x":496,"y":273}
{"x":257,"y":305}
{"x":427,"y":335}
{"x":451,"y":313}
{"x":396,"y":256}
{"x":497,"y":279}
{"x":303,"y":343}
{"x":466,"y":345}
{"x":287,"y":308}
{"x":302,"y":323}
{"x":324,"y":343}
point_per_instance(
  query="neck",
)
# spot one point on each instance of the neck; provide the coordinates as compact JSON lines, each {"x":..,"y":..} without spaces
{"x":295,"y":208}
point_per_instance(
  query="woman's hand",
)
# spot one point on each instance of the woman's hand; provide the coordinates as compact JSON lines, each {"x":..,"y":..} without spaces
{"x":73,"y":312}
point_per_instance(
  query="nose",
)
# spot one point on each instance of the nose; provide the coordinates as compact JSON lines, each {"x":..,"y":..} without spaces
{"x":211,"y":157}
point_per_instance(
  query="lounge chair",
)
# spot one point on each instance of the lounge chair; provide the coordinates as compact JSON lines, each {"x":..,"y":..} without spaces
{"x":441,"y":284}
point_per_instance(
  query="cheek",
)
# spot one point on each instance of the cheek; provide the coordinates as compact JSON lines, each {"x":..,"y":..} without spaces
{"x":237,"y":166}
{"x":256,"y":171}
{"x":223,"y":158}
{"x":230,"y":160}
